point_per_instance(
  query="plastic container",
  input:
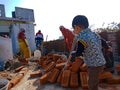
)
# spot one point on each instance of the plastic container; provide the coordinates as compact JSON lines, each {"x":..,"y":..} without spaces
{"x":4,"y":84}
{"x":37,"y":54}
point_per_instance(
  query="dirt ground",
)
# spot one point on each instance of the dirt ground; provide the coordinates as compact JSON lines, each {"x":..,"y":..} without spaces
{"x":28,"y":83}
{"x":33,"y":84}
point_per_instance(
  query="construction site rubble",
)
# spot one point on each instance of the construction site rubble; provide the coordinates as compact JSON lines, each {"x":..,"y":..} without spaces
{"x":49,"y":69}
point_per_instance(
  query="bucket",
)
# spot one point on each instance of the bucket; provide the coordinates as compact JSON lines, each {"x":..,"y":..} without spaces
{"x":4,"y":84}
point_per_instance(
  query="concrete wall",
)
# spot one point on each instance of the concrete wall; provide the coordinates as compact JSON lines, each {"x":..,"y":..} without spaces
{"x":4,"y":26}
{"x":29,"y":35}
{"x":12,"y":29}
{"x":24,"y":14}
{"x":5,"y":49}
{"x":2,"y":10}
{"x":22,"y":18}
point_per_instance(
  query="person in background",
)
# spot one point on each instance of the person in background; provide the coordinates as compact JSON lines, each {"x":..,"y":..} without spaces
{"x":23,"y":44}
{"x":68,"y":36}
{"x":108,"y":54}
{"x":39,"y":39}
{"x":90,"y":48}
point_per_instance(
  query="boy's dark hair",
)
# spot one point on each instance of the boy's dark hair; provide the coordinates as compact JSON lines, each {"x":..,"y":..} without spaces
{"x":80,"y":20}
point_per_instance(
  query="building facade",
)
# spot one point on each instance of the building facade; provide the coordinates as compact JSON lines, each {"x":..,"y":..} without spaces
{"x":10,"y":26}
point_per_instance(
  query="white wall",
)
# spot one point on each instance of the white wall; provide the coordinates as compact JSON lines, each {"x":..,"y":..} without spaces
{"x":5,"y":49}
{"x":29,"y":28}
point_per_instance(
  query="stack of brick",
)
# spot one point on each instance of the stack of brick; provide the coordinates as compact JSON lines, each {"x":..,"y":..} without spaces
{"x":54,"y":72}
{"x":74,"y":76}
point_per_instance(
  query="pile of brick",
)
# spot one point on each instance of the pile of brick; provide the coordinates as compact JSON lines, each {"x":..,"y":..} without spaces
{"x":74,"y":76}
{"x":22,"y":70}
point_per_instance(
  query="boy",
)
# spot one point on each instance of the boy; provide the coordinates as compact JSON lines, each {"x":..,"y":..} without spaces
{"x":90,"y":48}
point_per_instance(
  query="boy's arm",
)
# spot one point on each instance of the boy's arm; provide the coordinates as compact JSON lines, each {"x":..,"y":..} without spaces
{"x":81,"y":45}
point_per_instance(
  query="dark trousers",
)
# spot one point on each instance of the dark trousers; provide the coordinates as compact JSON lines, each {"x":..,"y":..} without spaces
{"x":93,"y":77}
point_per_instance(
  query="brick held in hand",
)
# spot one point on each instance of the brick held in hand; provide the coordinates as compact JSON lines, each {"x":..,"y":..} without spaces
{"x":76,"y":65}
{"x":65,"y":78}
{"x":19,"y":68}
{"x":84,"y":80}
{"x":53,"y":75}
{"x":74,"y":80}
{"x":35,"y":74}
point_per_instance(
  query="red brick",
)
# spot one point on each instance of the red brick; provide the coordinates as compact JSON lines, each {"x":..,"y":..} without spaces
{"x":53,"y":75}
{"x":74,"y":80}
{"x":50,"y":67}
{"x":84,"y":80}
{"x":83,"y":68}
{"x":118,"y":67}
{"x":19,"y":68}
{"x":60,"y":65}
{"x":35,"y":73}
{"x":113,"y":80}
{"x":56,"y":57}
{"x":65,"y":78}
{"x":15,"y":81}
{"x":59,"y":79}
{"x":76,"y":65}
{"x":105,"y":75}
{"x":44,"y":78}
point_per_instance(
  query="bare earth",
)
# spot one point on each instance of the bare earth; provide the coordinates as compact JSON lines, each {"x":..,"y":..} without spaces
{"x":33,"y":84}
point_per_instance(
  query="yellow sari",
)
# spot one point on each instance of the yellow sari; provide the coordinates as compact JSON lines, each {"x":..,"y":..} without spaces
{"x":24,"y":47}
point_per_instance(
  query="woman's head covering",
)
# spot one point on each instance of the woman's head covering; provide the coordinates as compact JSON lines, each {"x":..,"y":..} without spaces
{"x":61,"y":27}
{"x":22,"y":30}
{"x":80,"y":20}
